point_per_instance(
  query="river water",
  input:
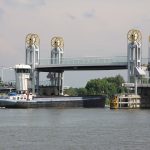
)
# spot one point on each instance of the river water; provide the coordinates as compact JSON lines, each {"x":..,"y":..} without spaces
{"x":74,"y":129}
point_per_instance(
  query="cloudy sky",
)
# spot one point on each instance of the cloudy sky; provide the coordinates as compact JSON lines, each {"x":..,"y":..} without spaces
{"x":89,"y":28}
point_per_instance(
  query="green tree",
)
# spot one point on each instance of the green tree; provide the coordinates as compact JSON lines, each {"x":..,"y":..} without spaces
{"x":81,"y":91}
{"x":117,"y":81}
{"x":71,"y":91}
{"x":100,"y":87}
{"x":107,"y":86}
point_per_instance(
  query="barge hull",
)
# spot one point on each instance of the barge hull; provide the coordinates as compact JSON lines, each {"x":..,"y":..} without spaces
{"x":58,"y":102}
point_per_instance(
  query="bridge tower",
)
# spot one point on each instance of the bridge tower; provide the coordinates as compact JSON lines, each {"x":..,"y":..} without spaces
{"x":32,"y":58}
{"x":134,"y":57}
{"x":57,"y":52}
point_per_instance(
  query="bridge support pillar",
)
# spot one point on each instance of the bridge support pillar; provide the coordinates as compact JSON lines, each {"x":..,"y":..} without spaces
{"x":56,"y":78}
{"x":135,"y":71}
{"x":32,"y":57}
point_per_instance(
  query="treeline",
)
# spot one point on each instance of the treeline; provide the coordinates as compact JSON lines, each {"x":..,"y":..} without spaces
{"x":108,"y":86}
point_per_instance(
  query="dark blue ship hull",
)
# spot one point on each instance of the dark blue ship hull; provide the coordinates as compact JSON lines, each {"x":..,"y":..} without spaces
{"x":59,"y":102}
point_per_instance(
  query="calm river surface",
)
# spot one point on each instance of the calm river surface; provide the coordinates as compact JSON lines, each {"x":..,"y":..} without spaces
{"x":74,"y":129}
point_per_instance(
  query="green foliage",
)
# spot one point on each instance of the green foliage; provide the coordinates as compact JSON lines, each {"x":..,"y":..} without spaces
{"x":117,"y":82}
{"x":100,"y":87}
{"x":96,"y":87}
{"x":106,"y":86}
{"x":76,"y":91}
{"x":81,"y":91}
{"x":71,"y":91}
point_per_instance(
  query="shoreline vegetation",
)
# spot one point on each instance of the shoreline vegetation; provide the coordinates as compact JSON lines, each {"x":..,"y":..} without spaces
{"x":108,"y":86}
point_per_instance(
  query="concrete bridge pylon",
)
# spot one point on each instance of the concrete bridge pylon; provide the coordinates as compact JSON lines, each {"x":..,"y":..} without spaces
{"x":57,"y":51}
{"x":32,"y":45}
{"x":134,"y":51}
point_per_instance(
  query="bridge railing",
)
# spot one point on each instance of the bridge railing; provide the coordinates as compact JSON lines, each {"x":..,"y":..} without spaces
{"x":84,"y":61}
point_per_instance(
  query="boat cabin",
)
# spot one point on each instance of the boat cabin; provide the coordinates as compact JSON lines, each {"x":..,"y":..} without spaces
{"x":23,"y":79}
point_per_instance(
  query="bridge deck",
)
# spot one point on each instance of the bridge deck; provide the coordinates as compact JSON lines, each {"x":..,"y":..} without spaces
{"x":56,"y":68}
{"x":88,"y":63}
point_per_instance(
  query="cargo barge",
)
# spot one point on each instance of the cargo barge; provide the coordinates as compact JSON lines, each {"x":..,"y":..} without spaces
{"x":24,"y":98}
{"x":49,"y":102}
